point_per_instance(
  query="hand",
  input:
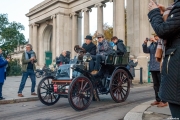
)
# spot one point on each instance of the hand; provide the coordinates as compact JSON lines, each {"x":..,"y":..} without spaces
{"x":152,"y":5}
{"x":162,"y":8}
{"x":8,"y":59}
{"x":32,"y":58}
{"x":146,"y":41}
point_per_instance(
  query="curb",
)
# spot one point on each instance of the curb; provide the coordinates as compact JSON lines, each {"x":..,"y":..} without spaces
{"x":10,"y":101}
{"x":137,"y":112}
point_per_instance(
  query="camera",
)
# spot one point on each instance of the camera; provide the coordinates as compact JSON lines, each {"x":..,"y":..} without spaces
{"x":147,"y":39}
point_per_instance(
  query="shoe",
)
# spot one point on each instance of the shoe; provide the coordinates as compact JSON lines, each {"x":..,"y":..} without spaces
{"x":161,"y":104}
{"x":20,"y":95}
{"x":33,"y":93}
{"x":94,"y":72}
{"x":155,"y":103}
{"x":1,"y":98}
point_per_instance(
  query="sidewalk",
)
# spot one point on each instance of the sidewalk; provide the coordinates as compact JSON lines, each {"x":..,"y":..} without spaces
{"x":10,"y":89}
{"x":145,"y":111}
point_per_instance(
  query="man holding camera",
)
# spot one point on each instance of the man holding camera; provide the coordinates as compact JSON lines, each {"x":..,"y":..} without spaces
{"x":28,"y":68}
{"x":154,"y":68}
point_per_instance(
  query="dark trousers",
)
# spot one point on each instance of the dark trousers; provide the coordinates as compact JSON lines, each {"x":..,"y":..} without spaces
{"x":156,"y":76}
{"x":25,"y":75}
{"x":175,"y":110}
{"x":98,"y":59}
{"x":1,"y":85}
{"x":91,"y":65}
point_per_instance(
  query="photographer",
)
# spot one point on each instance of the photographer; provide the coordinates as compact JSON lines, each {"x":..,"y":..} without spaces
{"x":154,"y":68}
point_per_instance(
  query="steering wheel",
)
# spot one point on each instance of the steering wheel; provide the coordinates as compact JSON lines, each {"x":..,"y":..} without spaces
{"x":78,"y":49}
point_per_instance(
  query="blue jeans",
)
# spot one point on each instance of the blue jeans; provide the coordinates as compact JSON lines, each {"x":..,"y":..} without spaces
{"x":98,"y":58}
{"x":25,"y":75}
{"x":1,"y":85}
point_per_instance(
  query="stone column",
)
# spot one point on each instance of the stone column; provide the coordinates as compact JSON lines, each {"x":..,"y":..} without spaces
{"x":86,"y":21}
{"x":74,"y":32}
{"x":100,"y":21}
{"x":119,"y":18}
{"x":60,"y":34}
{"x":30,"y":34}
{"x":54,"y":37}
{"x":114,"y":16}
{"x":80,"y":29}
{"x":35,"y":38}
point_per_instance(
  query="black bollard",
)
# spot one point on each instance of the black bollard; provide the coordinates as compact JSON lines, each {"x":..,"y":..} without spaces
{"x":141,"y":75}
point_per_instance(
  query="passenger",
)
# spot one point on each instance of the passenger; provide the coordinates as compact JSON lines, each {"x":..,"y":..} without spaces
{"x":103,"y":49}
{"x":121,"y":48}
{"x":63,"y":59}
{"x":90,"y":47}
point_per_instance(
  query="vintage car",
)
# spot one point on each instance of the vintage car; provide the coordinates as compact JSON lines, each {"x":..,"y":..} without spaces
{"x":75,"y":82}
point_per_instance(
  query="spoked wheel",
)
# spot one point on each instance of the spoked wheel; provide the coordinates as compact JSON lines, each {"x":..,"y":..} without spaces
{"x":120,"y":86}
{"x":80,"y":93}
{"x":46,"y":91}
{"x":38,"y":74}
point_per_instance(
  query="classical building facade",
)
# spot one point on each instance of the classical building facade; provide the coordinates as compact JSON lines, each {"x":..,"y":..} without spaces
{"x":56,"y":25}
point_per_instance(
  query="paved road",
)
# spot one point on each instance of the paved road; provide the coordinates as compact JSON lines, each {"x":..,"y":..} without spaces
{"x":106,"y":109}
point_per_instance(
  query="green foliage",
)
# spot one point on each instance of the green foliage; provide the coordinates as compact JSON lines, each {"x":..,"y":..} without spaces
{"x":14,"y":68}
{"x":10,"y":34}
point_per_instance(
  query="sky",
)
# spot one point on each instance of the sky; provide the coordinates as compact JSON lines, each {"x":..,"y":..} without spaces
{"x":16,"y":10}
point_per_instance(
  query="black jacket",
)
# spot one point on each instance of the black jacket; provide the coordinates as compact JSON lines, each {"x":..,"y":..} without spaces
{"x":121,"y":49}
{"x":91,"y":48}
{"x":63,"y":59}
{"x":169,"y":30}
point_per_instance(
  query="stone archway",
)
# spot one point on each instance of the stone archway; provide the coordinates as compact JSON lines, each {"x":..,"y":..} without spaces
{"x":46,"y":44}
{"x":47,"y":38}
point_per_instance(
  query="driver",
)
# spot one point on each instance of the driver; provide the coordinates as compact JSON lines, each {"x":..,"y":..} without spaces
{"x":90,"y":47}
{"x":103,"y":49}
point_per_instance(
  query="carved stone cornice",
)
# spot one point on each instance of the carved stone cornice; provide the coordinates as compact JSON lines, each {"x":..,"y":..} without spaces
{"x":100,"y":5}
{"x":53,"y":16}
{"x":35,"y":24}
{"x":73,"y":14}
{"x":86,"y":10}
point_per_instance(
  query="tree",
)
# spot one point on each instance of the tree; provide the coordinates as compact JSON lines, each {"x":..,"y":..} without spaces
{"x":108,"y":33}
{"x":10,"y":34}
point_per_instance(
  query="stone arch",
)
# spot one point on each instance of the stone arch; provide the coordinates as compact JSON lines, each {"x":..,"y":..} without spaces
{"x":47,"y":38}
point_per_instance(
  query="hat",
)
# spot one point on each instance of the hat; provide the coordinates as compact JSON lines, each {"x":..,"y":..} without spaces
{"x":100,"y":35}
{"x":88,"y":37}
{"x":154,"y":34}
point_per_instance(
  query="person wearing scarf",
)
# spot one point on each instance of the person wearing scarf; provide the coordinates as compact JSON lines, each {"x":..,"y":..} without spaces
{"x":28,"y":68}
{"x":103,"y":49}
{"x":3,"y":64}
{"x":168,"y":29}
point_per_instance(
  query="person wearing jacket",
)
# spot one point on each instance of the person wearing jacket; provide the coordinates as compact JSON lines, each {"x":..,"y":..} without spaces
{"x":154,"y":69}
{"x":132,"y":64}
{"x":90,"y":47}
{"x":167,"y":27}
{"x":103,"y":49}
{"x":3,"y":64}
{"x":28,"y":68}
{"x":63,"y":58}
{"x":121,"y":49}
